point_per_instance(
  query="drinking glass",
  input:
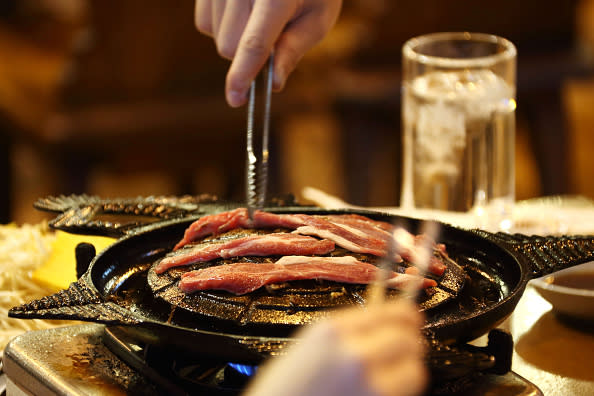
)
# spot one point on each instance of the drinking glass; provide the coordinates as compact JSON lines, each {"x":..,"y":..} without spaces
{"x":458,"y":111}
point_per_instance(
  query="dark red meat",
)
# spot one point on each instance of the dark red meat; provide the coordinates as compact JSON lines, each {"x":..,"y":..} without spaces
{"x":242,"y":278}
{"x":277,"y":244}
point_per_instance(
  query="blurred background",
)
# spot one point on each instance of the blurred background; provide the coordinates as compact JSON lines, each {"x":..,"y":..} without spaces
{"x":125,"y":98}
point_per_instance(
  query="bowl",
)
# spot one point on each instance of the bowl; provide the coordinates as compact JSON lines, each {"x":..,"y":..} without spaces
{"x":570,"y":291}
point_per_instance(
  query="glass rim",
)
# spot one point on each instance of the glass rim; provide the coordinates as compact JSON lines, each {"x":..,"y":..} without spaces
{"x":409,"y":52}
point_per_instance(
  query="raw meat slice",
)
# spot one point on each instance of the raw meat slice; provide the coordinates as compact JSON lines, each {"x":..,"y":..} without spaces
{"x":242,"y":278}
{"x":277,"y":244}
{"x":351,"y":231}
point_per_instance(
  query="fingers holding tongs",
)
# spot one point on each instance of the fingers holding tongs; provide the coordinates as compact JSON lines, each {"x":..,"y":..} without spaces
{"x":257,"y":168}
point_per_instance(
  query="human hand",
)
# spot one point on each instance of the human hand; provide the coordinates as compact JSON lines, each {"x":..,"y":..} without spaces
{"x":376,"y":351}
{"x":386,"y":338}
{"x":247,"y":31}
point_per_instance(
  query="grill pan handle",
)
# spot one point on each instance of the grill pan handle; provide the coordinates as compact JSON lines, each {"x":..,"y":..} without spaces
{"x":544,"y":254}
{"x":91,"y":215}
{"x":78,"y":302}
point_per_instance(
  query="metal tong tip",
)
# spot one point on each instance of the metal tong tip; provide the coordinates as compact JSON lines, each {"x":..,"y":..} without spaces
{"x":257,"y":172}
{"x":377,"y":289}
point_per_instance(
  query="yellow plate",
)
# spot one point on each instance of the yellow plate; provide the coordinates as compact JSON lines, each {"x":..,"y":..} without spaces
{"x":60,"y":269}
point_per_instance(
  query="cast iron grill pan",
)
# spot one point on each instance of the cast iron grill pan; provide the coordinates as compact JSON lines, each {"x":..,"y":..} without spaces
{"x":284,"y":305}
{"x":114,"y":290}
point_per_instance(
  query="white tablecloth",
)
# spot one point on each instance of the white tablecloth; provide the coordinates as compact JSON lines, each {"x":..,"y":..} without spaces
{"x":556,"y":215}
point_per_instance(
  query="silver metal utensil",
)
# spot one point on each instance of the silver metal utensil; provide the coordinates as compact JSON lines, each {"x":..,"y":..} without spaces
{"x":376,"y":291}
{"x":257,"y":173}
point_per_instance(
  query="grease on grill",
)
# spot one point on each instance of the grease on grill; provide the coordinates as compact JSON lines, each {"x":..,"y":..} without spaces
{"x":93,"y":363}
{"x":338,"y":294}
{"x":275,"y":287}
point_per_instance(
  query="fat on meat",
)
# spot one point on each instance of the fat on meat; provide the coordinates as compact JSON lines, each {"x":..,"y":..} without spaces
{"x":275,"y":244}
{"x":242,"y":278}
{"x":353,"y":238}
{"x":353,"y":232}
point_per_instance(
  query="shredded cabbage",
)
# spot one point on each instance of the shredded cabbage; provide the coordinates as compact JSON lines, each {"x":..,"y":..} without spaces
{"x":22,"y":250}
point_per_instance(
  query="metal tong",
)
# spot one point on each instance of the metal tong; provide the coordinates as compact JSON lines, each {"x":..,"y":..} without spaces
{"x":376,"y":291}
{"x":257,"y":173}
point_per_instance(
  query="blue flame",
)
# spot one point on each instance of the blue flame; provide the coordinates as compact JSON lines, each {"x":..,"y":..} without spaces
{"x":244,"y":369}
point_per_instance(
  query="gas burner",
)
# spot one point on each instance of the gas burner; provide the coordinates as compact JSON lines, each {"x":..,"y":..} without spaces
{"x":178,"y":374}
{"x":84,"y":360}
